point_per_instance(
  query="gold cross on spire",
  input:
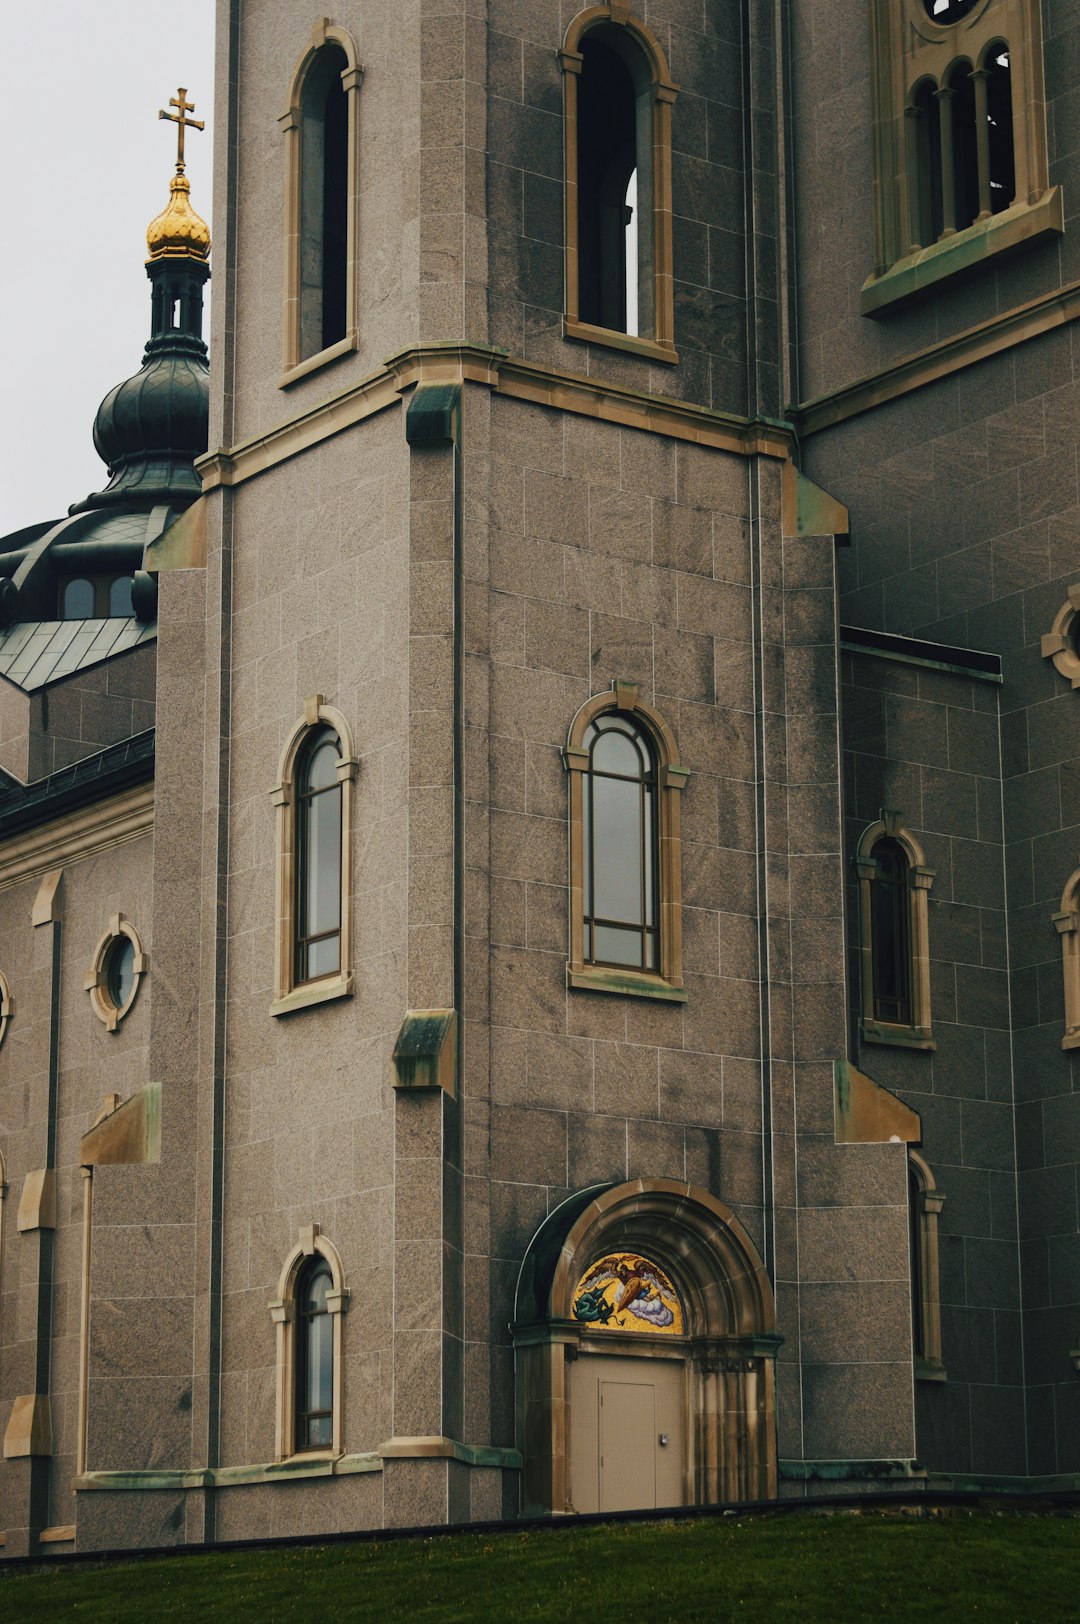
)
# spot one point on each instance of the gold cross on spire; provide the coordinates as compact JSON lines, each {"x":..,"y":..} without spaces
{"x":183,"y":107}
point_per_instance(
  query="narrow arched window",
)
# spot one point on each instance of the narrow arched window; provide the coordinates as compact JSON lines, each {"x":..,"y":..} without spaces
{"x":894,"y":886}
{"x":323,"y":203}
{"x":618,"y":97}
{"x":625,"y":781}
{"x":965,"y":146}
{"x":925,"y":1203}
{"x":120,"y":595}
{"x":314,"y":1358}
{"x":318,"y":859}
{"x":321,"y":126}
{"x":1001,"y":154}
{"x":621,"y":840}
{"x":891,"y":927}
{"x":313,"y":913}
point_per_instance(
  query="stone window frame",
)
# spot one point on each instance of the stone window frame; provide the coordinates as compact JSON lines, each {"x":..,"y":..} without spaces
{"x":919,"y":1033}
{"x":96,"y":980}
{"x":1067,"y":922}
{"x":661,"y":345}
{"x":671,"y":778}
{"x":1059,"y":644}
{"x":288,"y":994}
{"x":7,"y":1010}
{"x":909,"y":49}
{"x":283,"y":1316}
{"x":926,"y":1286}
{"x":295,"y":365}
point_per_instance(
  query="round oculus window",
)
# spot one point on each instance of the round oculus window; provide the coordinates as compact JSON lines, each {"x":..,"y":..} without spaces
{"x":948,"y":11}
{"x":120,"y":972}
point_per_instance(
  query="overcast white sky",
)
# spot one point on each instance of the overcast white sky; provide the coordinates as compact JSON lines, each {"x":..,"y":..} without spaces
{"x":85,"y":166}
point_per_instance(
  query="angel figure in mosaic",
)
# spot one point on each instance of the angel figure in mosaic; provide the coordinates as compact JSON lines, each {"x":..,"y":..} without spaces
{"x":639,"y":1288}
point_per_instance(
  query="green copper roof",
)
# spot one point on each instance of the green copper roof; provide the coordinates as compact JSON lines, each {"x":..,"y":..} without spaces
{"x":36,"y":652}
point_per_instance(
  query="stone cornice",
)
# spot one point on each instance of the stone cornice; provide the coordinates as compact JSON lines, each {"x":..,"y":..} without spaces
{"x":1054,"y":309}
{"x":93,"y":828}
{"x":495,"y":369}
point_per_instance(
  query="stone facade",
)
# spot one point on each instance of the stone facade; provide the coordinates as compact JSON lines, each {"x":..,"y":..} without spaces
{"x":835,"y":609}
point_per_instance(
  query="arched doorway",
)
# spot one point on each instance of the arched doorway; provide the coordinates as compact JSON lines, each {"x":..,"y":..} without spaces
{"x":645,"y":1341}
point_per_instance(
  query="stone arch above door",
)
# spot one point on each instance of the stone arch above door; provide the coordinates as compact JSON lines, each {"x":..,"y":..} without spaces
{"x":728,"y":1346}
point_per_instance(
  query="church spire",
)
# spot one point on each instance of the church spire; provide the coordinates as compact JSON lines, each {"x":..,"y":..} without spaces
{"x":150,"y":429}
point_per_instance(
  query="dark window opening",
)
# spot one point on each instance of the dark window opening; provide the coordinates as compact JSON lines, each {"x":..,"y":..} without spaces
{"x":621,"y":845}
{"x":890,"y":926}
{"x":931,"y":215}
{"x":314,"y":1359}
{"x":317,"y":947}
{"x":915,"y":1254}
{"x":77,"y":600}
{"x":120,"y":972}
{"x":324,"y":203}
{"x":965,"y":148}
{"x":1000,"y":120}
{"x":607,"y":162}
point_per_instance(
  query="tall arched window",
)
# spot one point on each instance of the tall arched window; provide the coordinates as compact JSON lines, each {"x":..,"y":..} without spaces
{"x":313,"y":798}
{"x":318,"y":858}
{"x":618,"y":95}
{"x":625,"y":848}
{"x":621,"y":830}
{"x":894,"y":885}
{"x":314,"y":1415}
{"x":312,"y":1297}
{"x":925,"y":1202}
{"x":321,"y":126}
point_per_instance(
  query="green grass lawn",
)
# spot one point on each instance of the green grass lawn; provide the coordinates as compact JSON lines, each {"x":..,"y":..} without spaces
{"x":839,"y":1567}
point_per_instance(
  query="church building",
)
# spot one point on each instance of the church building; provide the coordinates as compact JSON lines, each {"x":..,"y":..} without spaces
{"x":539,"y":833}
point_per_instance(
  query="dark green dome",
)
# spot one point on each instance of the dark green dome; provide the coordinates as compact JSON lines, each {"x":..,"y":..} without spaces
{"x":151,"y":427}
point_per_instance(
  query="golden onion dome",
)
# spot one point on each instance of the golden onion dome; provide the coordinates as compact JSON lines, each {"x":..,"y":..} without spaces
{"x":178,"y":232}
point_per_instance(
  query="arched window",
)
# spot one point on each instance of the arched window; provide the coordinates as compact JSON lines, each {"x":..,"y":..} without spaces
{"x":925,"y":1202}
{"x":120,"y":595}
{"x":307,"y":1311}
{"x":618,"y":95}
{"x":1067,"y":921}
{"x":314,"y":1424}
{"x":894,"y":884}
{"x":77,"y":602}
{"x":313,"y":798}
{"x":625,"y":848}
{"x":959,"y":139}
{"x":321,"y":126}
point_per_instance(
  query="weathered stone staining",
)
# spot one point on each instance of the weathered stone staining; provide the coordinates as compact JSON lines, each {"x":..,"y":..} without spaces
{"x":535,"y":873}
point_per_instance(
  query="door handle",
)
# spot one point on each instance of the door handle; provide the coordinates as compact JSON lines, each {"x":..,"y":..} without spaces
{"x":663,"y":1439}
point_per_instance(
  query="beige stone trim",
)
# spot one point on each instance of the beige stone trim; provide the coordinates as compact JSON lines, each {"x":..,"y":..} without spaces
{"x":283,"y":1315}
{"x":3,"y":1198}
{"x":671,"y":776}
{"x":48,"y":904}
{"x":656,"y":289}
{"x":29,"y":1429}
{"x":7,"y":1010}
{"x":80,"y":834}
{"x":1057,"y":308}
{"x":521,"y":380}
{"x":909,"y":49}
{"x":295,"y":365}
{"x":864,"y":1113}
{"x":920,"y":878}
{"x":288,"y":994}
{"x":1060,"y":642}
{"x":96,"y":980}
{"x":57,"y":1536}
{"x":929,"y":1202}
{"x":37,"y":1203}
{"x":1067,"y":923}
{"x":729,"y":1351}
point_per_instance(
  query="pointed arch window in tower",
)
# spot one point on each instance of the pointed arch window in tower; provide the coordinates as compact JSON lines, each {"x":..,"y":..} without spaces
{"x":318,"y":864}
{"x":314,"y":1425}
{"x":894,"y":887}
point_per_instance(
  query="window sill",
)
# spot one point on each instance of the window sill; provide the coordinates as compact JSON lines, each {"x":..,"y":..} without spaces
{"x":323,"y":358}
{"x":963,"y":253}
{"x":926,"y":1372}
{"x":631,"y":983}
{"x":313,"y":992}
{"x":899,"y":1037}
{"x":1071,"y":1040}
{"x":653,"y":349}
